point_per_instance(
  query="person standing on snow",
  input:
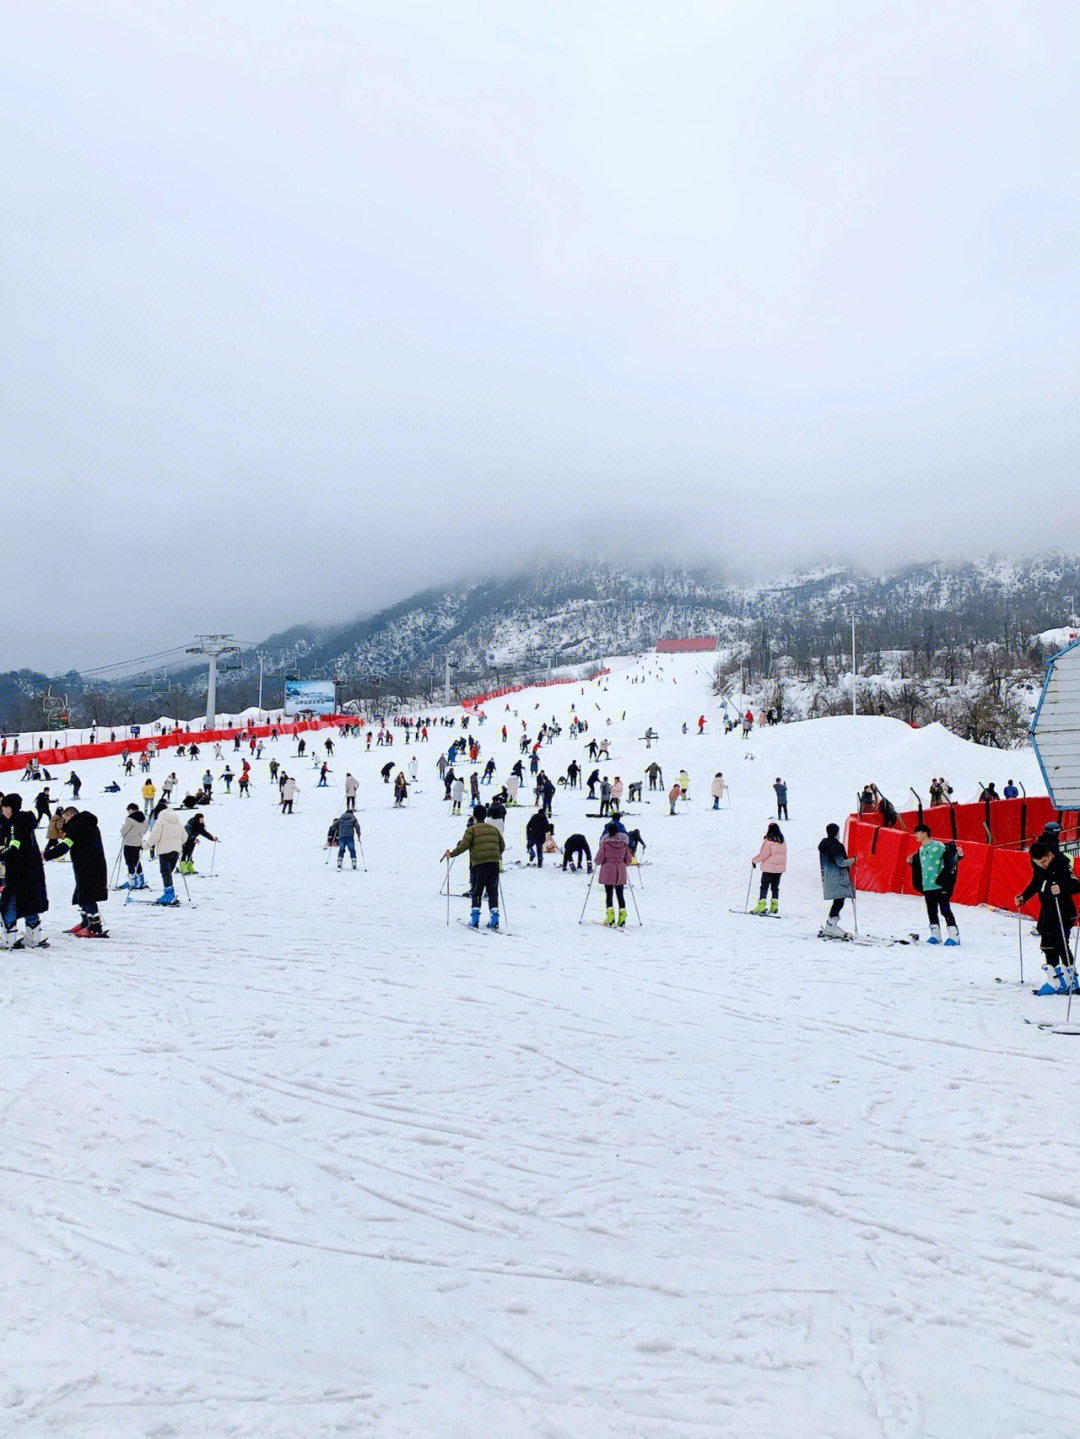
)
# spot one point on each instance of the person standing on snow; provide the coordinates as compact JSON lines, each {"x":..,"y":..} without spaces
{"x":485,"y":845}
{"x":81,"y":841}
{"x":288,"y":793}
{"x":781,"y":798}
{"x":1053,"y":881}
{"x":347,"y":830}
{"x":24,"y":894}
{"x":195,"y":829}
{"x":673,"y":795}
{"x":612,"y":857}
{"x":164,"y":843}
{"x":132,"y":832}
{"x":771,"y":858}
{"x":836,"y":878}
{"x":933,"y":872}
{"x":718,"y":789}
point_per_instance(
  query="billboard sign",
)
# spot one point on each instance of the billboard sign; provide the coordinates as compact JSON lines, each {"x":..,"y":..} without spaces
{"x":309,"y":697}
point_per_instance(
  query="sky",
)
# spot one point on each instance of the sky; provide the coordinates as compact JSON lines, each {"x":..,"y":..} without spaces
{"x":308,"y":306}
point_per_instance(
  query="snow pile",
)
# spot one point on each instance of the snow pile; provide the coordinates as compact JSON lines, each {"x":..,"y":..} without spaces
{"x":303,"y":1158}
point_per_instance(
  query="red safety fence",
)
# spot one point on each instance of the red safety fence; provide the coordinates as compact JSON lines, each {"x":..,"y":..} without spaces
{"x":472,"y":701}
{"x":993,"y":835}
{"x":66,"y":754}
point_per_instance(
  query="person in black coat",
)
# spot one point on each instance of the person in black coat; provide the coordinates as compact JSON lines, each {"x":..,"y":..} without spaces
{"x":81,"y":839}
{"x":24,"y":894}
{"x":576,"y":853}
{"x":1053,"y":880}
{"x":536,"y":831}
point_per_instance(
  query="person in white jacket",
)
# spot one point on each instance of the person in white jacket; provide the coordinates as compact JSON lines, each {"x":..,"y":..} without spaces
{"x":131,"y":837}
{"x":351,"y":786}
{"x":719,"y":789}
{"x":165,"y":841}
{"x":288,"y":794}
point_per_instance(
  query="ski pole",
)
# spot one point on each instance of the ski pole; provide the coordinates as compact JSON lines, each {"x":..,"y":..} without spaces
{"x":213,"y":859}
{"x":449,"y":862}
{"x":502,"y":904}
{"x":581,"y":917}
{"x":183,"y":876}
{"x":749,"y":886}
{"x":1020,"y":940}
{"x":116,"y":867}
{"x":360,"y":844}
{"x":637,"y":911}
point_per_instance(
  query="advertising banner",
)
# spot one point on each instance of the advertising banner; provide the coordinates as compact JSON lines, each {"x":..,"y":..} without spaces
{"x":309,"y":696}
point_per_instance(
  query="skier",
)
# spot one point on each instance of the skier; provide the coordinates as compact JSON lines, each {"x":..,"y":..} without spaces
{"x":208,"y":785}
{"x":76,"y":784}
{"x":346,"y":834}
{"x":485,"y":845}
{"x":351,"y":787}
{"x":1054,"y":882}
{"x":387,"y":770}
{"x":536,"y":832}
{"x":43,"y":804}
{"x":131,"y":837}
{"x":684,"y":784}
{"x":288,"y":794}
{"x":576,"y":853}
{"x":24,"y":894}
{"x":718,"y":788}
{"x":656,"y":775}
{"x":612,"y":856}
{"x":164,"y":842}
{"x":228,"y":777}
{"x":474,"y":788}
{"x":836,"y":879}
{"x":701,"y":724}
{"x":81,"y":841}
{"x":195,"y":830}
{"x":772,"y":857}
{"x":148,"y":792}
{"x":673,"y":795}
{"x":243,"y":784}
{"x":933,"y":872}
{"x":781,"y":798}
{"x":592,"y":782}
{"x":324,"y":770}
{"x":401,"y":789}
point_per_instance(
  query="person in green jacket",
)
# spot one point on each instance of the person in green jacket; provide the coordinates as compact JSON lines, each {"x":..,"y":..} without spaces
{"x":485,"y":845}
{"x":933,"y":871}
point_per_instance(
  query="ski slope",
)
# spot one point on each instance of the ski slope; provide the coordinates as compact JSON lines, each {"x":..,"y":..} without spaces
{"x":304,"y":1158}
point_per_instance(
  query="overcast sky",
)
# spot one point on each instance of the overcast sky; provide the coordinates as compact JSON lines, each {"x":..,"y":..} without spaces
{"x":308,"y":305}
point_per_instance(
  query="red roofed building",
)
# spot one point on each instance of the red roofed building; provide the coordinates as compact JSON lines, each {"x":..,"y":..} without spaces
{"x":704,"y":644}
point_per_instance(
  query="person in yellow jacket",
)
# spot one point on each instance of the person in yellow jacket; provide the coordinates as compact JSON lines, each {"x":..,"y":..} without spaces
{"x":148,"y":792}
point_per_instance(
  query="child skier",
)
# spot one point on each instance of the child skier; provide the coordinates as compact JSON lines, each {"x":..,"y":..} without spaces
{"x":772,"y":858}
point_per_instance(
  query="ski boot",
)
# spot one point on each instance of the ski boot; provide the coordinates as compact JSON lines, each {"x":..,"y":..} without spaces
{"x":935,"y":934}
{"x":493,"y":919}
{"x":94,"y":929}
{"x":774,"y":906}
{"x":1055,"y":981}
{"x":34,"y":937}
{"x":474,"y":918}
{"x":11,"y":939}
{"x":952,"y":936}
{"x":759,"y":908}
{"x":832,"y":929}
{"x":609,"y":916}
{"x":620,"y":923}
{"x":167,"y":896}
{"x":1072,"y":983}
{"x":127,"y":884}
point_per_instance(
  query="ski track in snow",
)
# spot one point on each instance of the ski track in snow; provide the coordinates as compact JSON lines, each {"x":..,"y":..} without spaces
{"x":305,"y":1160}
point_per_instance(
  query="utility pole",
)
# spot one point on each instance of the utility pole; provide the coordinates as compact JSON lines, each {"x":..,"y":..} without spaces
{"x":446,"y":692}
{"x":854,"y":710}
{"x":260,"y":682}
{"x":213,"y":646}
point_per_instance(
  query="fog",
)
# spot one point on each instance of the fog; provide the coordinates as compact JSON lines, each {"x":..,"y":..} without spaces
{"x":306,"y":307}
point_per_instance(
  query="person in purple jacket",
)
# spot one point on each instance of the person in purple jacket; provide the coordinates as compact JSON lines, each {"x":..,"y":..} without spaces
{"x":611,"y":860}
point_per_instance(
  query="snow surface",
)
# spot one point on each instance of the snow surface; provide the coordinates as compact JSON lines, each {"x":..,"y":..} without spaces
{"x":307,"y":1160}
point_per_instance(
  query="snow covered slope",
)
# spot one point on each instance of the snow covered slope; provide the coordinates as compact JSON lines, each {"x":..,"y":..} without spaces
{"x":306,"y":1159}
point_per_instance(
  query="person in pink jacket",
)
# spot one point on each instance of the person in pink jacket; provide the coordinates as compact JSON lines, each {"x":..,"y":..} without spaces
{"x":771,"y":859}
{"x":611,"y":860}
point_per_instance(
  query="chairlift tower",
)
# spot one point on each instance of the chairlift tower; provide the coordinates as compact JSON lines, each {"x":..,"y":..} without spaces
{"x":213,"y":647}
